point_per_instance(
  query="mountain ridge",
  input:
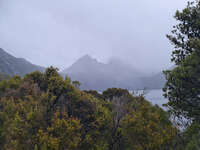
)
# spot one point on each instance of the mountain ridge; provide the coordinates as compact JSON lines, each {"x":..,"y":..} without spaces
{"x":100,"y":76}
{"x":16,"y":66}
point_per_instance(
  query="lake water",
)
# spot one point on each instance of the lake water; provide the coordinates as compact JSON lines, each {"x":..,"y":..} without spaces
{"x":155,"y":97}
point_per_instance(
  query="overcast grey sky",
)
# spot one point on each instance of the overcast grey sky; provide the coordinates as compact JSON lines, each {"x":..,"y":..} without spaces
{"x":49,"y":32}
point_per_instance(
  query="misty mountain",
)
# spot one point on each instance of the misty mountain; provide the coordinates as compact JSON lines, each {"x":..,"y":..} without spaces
{"x":16,"y":66}
{"x":99,"y":76}
{"x":156,"y":81}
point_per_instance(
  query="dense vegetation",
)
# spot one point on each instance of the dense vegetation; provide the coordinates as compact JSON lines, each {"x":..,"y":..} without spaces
{"x":43,"y":111}
{"x":183,"y":82}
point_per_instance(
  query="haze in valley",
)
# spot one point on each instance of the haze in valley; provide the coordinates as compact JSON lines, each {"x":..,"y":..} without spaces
{"x":60,"y":32}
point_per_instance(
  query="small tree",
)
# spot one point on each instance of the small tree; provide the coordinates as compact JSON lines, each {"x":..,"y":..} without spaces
{"x":77,"y":84}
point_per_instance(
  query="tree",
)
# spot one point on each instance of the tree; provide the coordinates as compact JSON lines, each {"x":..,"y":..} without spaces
{"x":186,"y":34}
{"x":77,"y":84}
{"x":110,"y":93}
{"x":43,"y":111}
{"x":64,"y":134}
{"x":183,"y":82}
{"x":192,"y":137}
{"x":148,"y":127}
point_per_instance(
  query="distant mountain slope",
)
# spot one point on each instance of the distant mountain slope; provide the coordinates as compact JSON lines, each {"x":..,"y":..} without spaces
{"x":3,"y":76}
{"x":95,"y":75}
{"x":156,"y":81}
{"x":16,"y":66}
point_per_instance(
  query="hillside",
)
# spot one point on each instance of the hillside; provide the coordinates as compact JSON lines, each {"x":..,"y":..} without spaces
{"x":99,"y":76}
{"x":16,"y":66}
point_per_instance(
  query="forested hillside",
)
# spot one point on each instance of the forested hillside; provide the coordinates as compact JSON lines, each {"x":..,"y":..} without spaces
{"x":43,"y":111}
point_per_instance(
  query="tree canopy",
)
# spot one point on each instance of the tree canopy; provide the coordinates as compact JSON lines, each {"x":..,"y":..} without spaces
{"x":43,"y":111}
{"x":183,"y":82}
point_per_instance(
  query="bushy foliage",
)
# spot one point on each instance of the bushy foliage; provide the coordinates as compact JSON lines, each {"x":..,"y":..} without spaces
{"x":43,"y":111}
{"x":183,"y":82}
